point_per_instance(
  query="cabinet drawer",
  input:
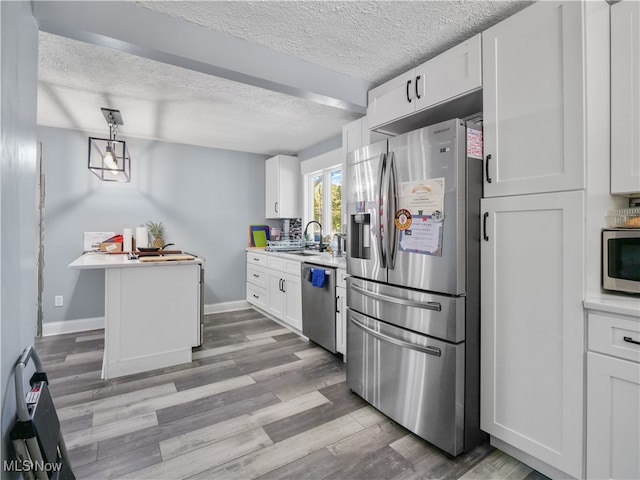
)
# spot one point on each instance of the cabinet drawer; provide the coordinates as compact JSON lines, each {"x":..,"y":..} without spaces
{"x":341,"y":281}
{"x":257,"y":296}
{"x":257,"y":258}
{"x":258,"y":276}
{"x":276,"y":263}
{"x":614,"y":336}
{"x":292,"y":267}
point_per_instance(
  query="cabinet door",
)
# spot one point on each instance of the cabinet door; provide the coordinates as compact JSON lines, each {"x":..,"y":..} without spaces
{"x":289,"y":171}
{"x":276,"y":295}
{"x":532,"y":327}
{"x":449,"y":75}
{"x":292,"y":287}
{"x":341,"y":321}
{"x":533,"y":95}
{"x":392,"y":100}
{"x":613,"y":417}
{"x":272,"y":187}
{"x":625,"y":98}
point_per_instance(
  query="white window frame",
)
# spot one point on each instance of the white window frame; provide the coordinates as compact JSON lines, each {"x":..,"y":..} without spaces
{"x":321,"y":165}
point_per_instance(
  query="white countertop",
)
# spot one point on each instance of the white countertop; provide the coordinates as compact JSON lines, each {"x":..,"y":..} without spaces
{"x":115,"y":260}
{"x":326,"y":259}
{"x":619,"y":304}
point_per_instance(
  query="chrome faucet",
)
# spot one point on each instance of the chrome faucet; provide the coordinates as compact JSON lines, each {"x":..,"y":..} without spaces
{"x":320,"y":246}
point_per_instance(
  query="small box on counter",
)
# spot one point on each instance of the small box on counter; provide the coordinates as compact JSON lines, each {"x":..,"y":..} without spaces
{"x":92,"y":240}
{"x":112,"y":245}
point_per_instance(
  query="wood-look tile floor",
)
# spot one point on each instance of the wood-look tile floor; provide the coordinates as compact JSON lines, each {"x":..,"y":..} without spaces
{"x":256,"y":402}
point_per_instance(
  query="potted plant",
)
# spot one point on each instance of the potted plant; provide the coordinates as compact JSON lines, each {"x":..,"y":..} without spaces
{"x":157,"y":232}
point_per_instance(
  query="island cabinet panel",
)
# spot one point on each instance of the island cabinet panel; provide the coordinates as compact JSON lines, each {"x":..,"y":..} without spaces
{"x":152,"y":317}
{"x":533,"y":101}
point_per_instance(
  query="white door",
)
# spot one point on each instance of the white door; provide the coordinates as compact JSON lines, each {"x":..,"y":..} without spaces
{"x":532,"y":340}
{"x":392,"y":100}
{"x":533,"y":97}
{"x":449,"y":75}
{"x":625,"y":98}
{"x":276,"y":295}
{"x":272,"y":187}
{"x":293,"y":298}
{"x":613,"y":417}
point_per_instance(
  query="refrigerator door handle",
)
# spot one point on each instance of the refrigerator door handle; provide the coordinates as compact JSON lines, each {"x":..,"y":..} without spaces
{"x":382,"y":205}
{"x":392,"y":232}
{"x":400,"y":301}
{"x":396,"y":341}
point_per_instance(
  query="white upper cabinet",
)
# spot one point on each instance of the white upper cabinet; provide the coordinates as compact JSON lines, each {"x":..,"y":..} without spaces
{"x":533,"y":96}
{"x":625,"y":98}
{"x":449,"y":75}
{"x":282,"y":189}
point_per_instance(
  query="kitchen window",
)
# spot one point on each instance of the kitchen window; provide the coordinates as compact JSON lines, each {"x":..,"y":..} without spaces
{"x":323,"y":193}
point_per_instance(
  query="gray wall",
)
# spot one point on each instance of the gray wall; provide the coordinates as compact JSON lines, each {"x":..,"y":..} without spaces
{"x":18,"y":89}
{"x":205,"y":197}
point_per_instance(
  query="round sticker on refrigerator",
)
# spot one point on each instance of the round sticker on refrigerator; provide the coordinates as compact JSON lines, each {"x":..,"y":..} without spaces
{"x":402,"y":219}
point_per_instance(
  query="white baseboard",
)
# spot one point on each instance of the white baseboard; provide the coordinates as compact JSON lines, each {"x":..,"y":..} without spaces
{"x":528,"y":459}
{"x":226,"y":307}
{"x":72,"y":326}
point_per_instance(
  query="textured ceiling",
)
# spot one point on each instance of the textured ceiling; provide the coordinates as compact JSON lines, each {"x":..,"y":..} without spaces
{"x":375,"y":40}
{"x":369,"y":40}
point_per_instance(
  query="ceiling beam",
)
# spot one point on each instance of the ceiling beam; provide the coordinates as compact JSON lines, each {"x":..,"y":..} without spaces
{"x":139,"y":31}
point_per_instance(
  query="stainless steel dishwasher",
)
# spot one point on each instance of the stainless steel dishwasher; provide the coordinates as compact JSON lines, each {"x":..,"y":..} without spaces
{"x":319,"y":305}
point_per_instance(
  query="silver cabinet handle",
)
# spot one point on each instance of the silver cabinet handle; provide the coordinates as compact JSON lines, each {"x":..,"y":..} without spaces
{"x":400,"y":301}
{"x":256,"y":275}
{"x":435,"y":351}
{"x":255,"y":296}
{"x":631,"y":340}
{"x":275,"y":206}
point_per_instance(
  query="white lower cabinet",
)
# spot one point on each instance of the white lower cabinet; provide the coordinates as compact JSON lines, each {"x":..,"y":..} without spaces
{"x":273,"y":285}
{"x":532,"y":322}
{"x":613,"y":397}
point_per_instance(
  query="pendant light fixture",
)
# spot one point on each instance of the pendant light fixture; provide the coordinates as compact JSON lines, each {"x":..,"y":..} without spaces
{"x":109,"y":158}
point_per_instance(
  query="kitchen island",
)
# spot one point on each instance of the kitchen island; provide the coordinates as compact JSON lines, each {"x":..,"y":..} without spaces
{"x":152,"y":310}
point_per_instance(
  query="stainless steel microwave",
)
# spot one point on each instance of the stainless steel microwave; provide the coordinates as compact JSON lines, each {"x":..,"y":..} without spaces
{"x":621,"y":260}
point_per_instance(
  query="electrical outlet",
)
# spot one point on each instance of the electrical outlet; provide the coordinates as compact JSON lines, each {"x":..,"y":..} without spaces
{"x":59,"y":300}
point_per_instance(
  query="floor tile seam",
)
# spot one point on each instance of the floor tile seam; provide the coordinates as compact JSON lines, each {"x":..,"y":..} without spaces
{"x":55,"y":381}
{"x":250,"y":421}
{"x":296,"y":438}
{"x":79,"y":438}
{"x":193,"y":452}
{"x":226,"y":350}
{"x":160,"y":379}
{"x":188,"y":393}
{"x":124,"y":400}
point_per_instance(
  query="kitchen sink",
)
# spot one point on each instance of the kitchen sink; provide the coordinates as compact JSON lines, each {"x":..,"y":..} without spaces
{"x":305,"y":254}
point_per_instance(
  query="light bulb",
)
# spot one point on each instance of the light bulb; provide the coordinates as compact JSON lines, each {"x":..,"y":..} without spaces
{"x":110,"y":160}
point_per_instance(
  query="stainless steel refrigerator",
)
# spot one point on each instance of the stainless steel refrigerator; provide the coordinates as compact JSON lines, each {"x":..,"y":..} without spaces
{"x":413,"y":292}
